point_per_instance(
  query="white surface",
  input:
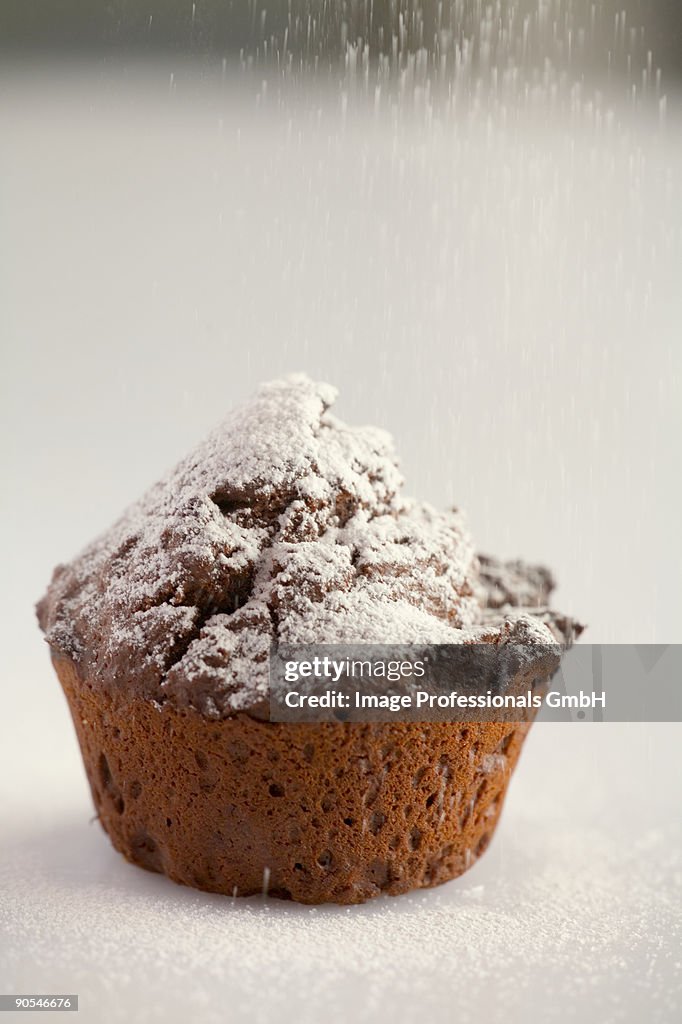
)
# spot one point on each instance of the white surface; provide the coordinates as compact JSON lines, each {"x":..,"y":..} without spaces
{"x":573,"y":913}
{"x":507,"y":303}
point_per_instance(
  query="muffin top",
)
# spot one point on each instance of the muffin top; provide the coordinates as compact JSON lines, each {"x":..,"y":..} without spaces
{"x":284,"y":525}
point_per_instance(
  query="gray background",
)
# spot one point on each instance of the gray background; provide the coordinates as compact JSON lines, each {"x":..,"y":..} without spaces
{"x":499,"y":287}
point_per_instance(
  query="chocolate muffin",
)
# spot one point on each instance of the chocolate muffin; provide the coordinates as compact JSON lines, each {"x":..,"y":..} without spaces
{"x":285,"y":526}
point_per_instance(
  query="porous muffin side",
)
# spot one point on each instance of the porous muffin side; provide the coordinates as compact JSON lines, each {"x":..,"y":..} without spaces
{"x":312,"y":812}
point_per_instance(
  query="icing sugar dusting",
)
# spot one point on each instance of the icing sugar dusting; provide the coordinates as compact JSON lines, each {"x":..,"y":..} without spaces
{"x":285,"y":524}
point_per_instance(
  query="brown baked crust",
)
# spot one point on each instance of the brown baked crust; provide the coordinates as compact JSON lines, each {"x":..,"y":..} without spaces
{"x":317,"y":813}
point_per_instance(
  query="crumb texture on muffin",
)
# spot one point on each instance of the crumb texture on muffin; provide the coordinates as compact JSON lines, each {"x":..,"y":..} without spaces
{"x":284,"y":525}
{"x":325,"y":812}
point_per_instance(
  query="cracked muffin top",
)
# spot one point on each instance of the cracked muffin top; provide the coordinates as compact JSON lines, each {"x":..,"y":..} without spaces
{"x":284,"y":525}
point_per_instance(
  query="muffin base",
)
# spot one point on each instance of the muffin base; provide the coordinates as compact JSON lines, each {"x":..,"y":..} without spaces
{"x":318,"y":813}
